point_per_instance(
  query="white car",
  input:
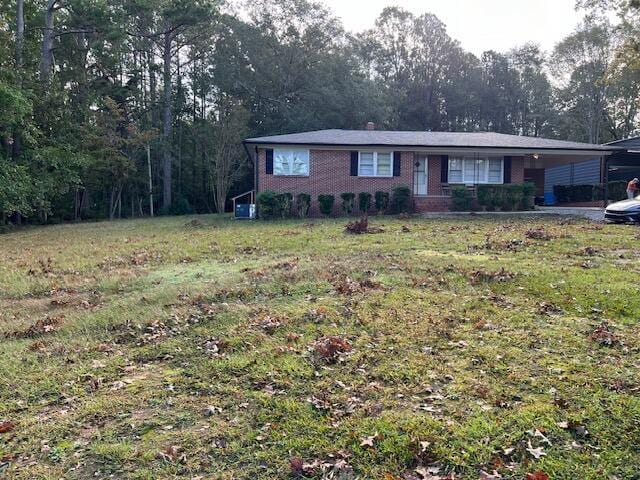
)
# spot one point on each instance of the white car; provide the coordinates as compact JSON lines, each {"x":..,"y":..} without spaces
{"x":624,"y":211}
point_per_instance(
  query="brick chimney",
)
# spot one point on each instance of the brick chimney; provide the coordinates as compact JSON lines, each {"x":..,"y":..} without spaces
{"x":371,"y":126}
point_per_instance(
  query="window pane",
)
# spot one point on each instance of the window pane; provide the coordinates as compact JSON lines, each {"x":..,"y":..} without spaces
{"x":384,"y":164}
{"x":469,"y":170}
{"x":366,"y":163}
{"x":455,"y":170}
{"x":481,"y":170}
{"x":281,"y":162}
{"x":495,"y":170}
{"x":300,"y":161}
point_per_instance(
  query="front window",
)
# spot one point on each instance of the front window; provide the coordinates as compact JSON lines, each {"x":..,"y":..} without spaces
{"x":474,"y":170}
{"x":375,"y":164}
{"x":291,"y":162}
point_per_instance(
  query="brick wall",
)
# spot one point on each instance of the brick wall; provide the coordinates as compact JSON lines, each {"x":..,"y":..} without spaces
{"x":330,"y":173}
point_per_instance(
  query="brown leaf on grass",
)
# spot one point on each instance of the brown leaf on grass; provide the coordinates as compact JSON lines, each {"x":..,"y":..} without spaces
{"x":329,"y":349}
{"x":359,"y":227}
{"x":481,"y":276}
{"x":7,"y":426}
{"x":537,"y":476}
{"x":604,"y":335}
{"x":489,"y":476}
{"x":538,"y":234}
{"x":546,"y":308}
{"x":297,"y":465}
{"x":171,"y":454}
{"x":42,"y":326}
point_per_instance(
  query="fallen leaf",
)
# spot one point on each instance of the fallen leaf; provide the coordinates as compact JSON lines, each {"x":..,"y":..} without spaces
{"x":7,"y":426}
{"x":536,"y":476}
{"x":368,"y":441}
{"x":535,"y":452}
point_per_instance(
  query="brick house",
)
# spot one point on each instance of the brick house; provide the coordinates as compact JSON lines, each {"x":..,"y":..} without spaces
{"x":429,"y":163}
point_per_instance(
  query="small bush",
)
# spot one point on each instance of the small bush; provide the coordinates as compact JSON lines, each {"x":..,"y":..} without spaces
{"x":284,"y":204}
{"x":381,"y":201}
{"x":364,"y":201}
{"x":348,"y":201}
{"x":303,"y":204}
{"x":267,"y":204}
{"x":490,"y":196}
{"x":180,"y":206}
{"x":528,"y":196}
{"x":460,"y":199}
{"x":617,"y":190}
{"x":511,"y":198}
{"x":578,"y":193}
{"x":401,"y":199}
{"x":326,"y":204}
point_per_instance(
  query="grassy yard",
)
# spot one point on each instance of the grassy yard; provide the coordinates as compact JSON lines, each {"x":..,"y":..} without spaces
{"x":205,"y":348}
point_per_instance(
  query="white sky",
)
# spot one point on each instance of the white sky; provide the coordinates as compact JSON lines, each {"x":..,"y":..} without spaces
{"x":479,"y":25}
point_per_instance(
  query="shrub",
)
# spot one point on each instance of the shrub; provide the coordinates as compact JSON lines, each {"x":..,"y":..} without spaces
{"x":512,"y":197}
{"x":578,"y":193}
{"x":364,"y":201}
{"x":268,"y":204}
{"x":180,"y":206}
{"x":382,"y":201}
{"x":326,"y":204}
{"x":617,"y":190}
{"x":348,"y":200}
{"x":401,"y":199}
{"x":490,"y":196}
{"x":528,"y":195}
{"x":460,"y":199}
{"x":303,"y":204}
{"x":284,"y":204}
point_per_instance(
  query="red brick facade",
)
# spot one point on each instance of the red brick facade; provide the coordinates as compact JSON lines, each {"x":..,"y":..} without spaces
{"x":329,"y":173}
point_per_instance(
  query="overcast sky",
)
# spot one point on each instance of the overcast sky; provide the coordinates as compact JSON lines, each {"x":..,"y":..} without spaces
{"x":478,"y":24}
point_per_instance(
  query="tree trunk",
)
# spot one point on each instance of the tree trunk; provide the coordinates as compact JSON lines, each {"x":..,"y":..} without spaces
{"x":150,"y":180}
{"x":46,"y":60}
{"x":19,"y":33}
{"x":167,"y":122}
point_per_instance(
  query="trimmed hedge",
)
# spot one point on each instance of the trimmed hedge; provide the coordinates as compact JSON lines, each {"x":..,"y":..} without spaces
{"x":460,"y":199}
{"x":364,"y":201}
{"x":617,"y":190}
{"x":303,"y":204}
{"x":326,"y":204}
{"x":401,"y":199}
{"x":508,"y":197}
{"x":348,"y":201}
{"x":382,"y":201}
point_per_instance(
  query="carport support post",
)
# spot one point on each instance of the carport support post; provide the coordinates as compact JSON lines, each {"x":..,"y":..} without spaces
{"x":605,"y":178}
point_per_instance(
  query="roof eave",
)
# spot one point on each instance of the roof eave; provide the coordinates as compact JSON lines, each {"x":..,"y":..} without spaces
{"x":443,"y":148}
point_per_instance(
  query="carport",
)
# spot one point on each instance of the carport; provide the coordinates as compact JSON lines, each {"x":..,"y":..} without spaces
{"x":624,"y":165}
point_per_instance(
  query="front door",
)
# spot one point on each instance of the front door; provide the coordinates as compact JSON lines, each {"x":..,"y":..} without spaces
{"x":420,"y":177}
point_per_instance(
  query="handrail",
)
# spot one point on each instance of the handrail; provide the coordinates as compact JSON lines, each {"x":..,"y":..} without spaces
{"x":250,"y":192}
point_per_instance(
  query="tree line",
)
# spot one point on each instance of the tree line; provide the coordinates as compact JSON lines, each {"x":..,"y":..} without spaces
{"x":127,"y":108}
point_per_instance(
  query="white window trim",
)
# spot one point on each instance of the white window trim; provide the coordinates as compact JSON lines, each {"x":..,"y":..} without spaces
{"x":474,"y":159}
{"x":291,"y":174}
{"x":375,"y":164}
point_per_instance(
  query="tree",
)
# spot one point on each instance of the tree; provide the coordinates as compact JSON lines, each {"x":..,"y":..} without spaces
{"x":227,"y":158}
{"x":581,"y":62}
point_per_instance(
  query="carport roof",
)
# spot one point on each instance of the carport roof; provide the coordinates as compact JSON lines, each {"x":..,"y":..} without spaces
{"x":420,"y":139}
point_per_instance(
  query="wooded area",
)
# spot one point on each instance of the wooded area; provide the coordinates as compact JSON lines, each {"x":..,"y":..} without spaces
{"x":128,"y":108}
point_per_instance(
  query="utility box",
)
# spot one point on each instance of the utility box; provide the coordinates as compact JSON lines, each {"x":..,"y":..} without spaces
{"x":245,"y":211}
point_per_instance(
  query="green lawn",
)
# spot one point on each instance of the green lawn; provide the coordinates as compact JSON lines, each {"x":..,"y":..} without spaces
{"x":201,"y":347}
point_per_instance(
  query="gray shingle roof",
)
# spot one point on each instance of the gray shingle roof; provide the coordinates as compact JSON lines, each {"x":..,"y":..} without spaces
{"x":632,"y":143}
{"x":379,"y":138}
